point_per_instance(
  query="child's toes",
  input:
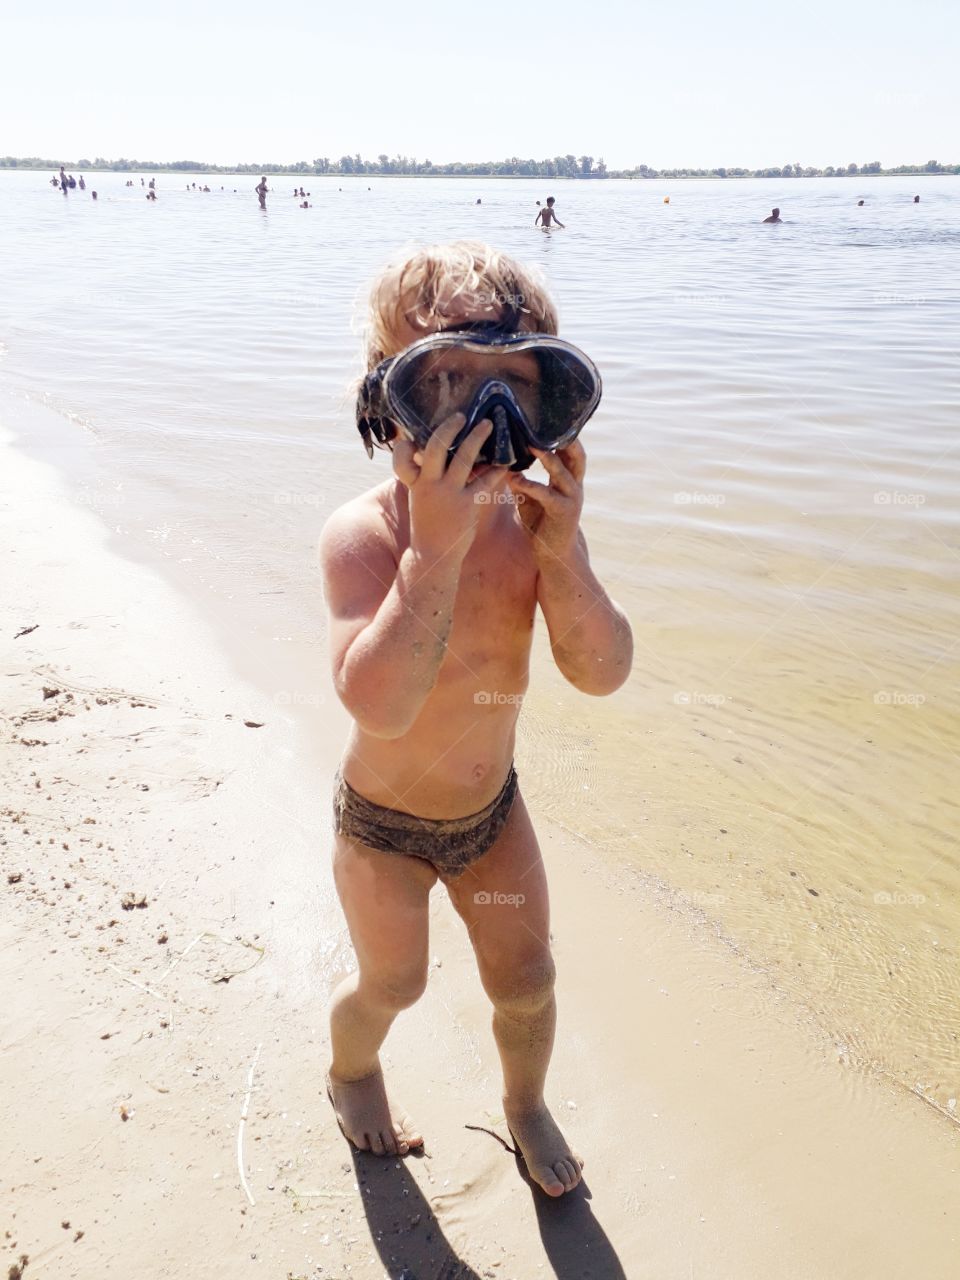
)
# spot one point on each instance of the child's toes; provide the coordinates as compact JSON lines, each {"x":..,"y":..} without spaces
{"x":548,"y":1179}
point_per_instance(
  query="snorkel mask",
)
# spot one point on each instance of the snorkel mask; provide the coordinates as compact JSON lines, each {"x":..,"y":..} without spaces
{"x":536,"y":389}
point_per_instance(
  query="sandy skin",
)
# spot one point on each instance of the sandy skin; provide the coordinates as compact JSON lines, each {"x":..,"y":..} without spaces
{"x":511,"y":943}
{"x":419,"y":636}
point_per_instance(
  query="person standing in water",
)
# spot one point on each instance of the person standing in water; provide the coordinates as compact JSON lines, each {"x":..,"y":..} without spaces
{"x":547,"y":216}
{"x":261,"y":190}
{"x":774,"y":216}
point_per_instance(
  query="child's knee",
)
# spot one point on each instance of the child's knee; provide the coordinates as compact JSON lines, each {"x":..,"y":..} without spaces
{"x":396,"y":990}
{"x":524,"y":989}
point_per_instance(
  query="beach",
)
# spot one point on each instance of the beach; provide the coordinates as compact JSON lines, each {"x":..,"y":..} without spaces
{"x":169,"y":938}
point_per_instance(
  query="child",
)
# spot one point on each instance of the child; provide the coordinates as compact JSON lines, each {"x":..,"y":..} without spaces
{"x":432,"y":580}
{"x":548,"y":215}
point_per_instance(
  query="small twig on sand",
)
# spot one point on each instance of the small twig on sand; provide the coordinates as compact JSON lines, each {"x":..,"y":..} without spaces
{"x":243,"y":1121}
{"x":142,"y":985}
{"x":478,"y":1128}
{"x":170,"y":968}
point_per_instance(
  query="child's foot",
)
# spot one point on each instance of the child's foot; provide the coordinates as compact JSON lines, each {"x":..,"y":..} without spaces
{"x":367,"y":1118}
{"x":546,"y":1153}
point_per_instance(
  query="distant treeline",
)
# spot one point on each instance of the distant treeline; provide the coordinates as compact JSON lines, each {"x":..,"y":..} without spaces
{"x":558,"y":167}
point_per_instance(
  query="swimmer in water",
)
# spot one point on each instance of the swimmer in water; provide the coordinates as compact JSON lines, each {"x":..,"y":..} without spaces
{"x":916,"y":199}
{"x":859,"y":204}
{"x":774,"y":216}
{"x":547,"y":216}
{"x":261,"y":190}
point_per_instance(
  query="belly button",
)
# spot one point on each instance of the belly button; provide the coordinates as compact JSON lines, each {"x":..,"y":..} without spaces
{"x":479,"y":771}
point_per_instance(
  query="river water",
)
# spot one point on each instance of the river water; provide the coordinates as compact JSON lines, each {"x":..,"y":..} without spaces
{"x":772,"y":496}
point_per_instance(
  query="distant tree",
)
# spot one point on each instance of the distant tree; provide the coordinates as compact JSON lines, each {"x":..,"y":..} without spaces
{"x":933,"y":166}
{"x":586,"y":164}
{"x":852,"y":168}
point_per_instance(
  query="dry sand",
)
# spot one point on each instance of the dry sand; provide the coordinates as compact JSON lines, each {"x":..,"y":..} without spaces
{"x":168,"y":939}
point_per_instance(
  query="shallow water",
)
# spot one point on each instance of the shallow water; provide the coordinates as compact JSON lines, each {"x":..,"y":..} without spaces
{"x":772,"y":496}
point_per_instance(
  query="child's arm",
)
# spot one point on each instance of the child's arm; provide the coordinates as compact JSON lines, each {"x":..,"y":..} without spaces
{"x":390,"y":620}
{"x":538,"y":217}
{"x":590,"y":636}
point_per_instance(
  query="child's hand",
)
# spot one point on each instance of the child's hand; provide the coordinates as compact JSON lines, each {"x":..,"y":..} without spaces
{"x":445,"y":504}
{"x":551,"y":513}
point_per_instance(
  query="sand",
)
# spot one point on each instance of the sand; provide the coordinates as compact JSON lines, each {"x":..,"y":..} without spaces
{"x":169,"y":936}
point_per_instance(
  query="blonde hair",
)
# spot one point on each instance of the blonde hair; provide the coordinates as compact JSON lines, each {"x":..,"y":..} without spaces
{"x":420,"y":289}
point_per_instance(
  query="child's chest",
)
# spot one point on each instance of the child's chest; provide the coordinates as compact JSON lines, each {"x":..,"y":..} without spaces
{"x":497,"y":596}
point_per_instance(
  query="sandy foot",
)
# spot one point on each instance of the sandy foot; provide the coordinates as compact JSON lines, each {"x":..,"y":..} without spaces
{"x":546,"y":1153}
{"x":367,"y":1117}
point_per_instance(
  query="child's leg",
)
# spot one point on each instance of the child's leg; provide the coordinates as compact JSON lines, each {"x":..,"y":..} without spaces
{"x":502,"y":898}
{"x":385,"y":899}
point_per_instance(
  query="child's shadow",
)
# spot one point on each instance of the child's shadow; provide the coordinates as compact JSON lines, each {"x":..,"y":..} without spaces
{"x":411,"y":1242}
{"x":402,"y":1224}
{"x":573,"y":1239}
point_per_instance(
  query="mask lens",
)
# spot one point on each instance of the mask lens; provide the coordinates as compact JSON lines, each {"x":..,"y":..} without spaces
{"x":553,"y":387}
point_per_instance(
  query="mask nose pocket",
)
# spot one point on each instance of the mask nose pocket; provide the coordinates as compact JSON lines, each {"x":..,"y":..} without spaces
{"x":502,"y":452}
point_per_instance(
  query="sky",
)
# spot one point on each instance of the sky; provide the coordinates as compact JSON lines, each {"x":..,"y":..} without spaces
{"x":668,"y":83}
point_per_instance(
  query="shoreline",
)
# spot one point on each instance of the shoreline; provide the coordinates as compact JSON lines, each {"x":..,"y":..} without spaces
{"x":483,"y":177}
{"x":744,"y":1134}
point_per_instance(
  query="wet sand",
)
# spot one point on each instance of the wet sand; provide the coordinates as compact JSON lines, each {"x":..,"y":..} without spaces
{"x":168,"y":939}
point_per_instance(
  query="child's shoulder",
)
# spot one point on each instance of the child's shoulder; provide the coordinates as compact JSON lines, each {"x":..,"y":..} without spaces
{"x":363,"y":526}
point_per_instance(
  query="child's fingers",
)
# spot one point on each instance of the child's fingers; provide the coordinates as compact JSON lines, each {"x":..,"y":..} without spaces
{"x":468,"y":451}
{"x":574,"y":457}
{"x":435,"y":453}
{"x":495,"y":478}
{"x":404,"y":467}
{"x":549,"y":499}
{"x":557,"y":472}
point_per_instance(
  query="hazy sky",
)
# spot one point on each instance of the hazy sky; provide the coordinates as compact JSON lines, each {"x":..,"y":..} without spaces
{"x":672,"y":82}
